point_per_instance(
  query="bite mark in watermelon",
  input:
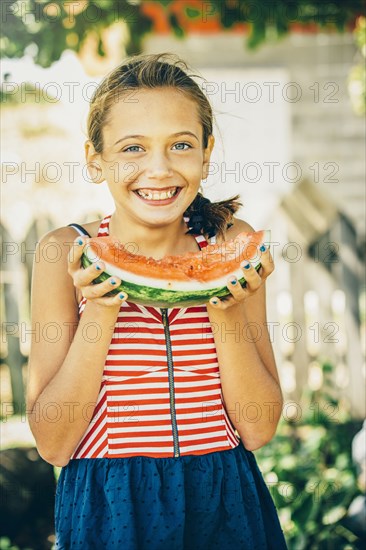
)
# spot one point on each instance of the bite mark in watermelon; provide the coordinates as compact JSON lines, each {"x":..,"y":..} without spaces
{"x":176,"y":281}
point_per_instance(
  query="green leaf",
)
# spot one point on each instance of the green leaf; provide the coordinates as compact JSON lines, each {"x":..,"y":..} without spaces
{"x":257,"y":35}
{"x":334,"y":515}
{"x":192,"y":12}
{"x":101,"y":50}
{"x":165,"y":3}
{"x":177,"y":29}
{"x":103,"y":4}
{"x":303,"y":511}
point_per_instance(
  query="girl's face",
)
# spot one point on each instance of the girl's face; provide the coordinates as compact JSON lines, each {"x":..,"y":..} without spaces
{"x":153,"y":158}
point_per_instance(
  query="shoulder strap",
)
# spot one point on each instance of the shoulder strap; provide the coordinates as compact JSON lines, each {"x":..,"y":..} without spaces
{"x":80,"y":229}
{"x":201,"y":240}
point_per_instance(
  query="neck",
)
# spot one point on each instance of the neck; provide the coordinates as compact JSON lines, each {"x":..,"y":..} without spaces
{"x":157,"y":242}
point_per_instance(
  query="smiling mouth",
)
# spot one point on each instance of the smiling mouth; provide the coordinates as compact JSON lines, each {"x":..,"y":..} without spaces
{"x":153,"y":195}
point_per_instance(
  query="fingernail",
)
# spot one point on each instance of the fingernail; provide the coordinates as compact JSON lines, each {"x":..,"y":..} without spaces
{"x":214,"y":302}
{"x":122,"y":296}
{"x":233,"y":281}
{"x":245,"y":264}
{"x":113,"y":282}
{"x":80,"y":241}
{"x":98,"y":267}
{"x":262,"y":248}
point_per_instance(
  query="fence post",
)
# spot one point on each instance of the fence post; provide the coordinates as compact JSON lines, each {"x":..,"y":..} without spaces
{"x":11,"y":283}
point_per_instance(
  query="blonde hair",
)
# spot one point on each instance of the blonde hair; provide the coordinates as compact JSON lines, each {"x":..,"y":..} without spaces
{"x":154,"y":71}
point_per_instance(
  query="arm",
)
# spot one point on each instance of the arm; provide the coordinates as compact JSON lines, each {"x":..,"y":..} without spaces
{"x":248,"y":370}
{"x":66,"y":370}
{"x":249,"y":378}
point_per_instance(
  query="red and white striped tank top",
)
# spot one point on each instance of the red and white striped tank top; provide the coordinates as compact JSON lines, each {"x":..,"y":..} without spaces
{"x":160,"y":394}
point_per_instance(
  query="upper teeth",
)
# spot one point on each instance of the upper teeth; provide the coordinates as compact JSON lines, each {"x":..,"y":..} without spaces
{"x":157,"y":195}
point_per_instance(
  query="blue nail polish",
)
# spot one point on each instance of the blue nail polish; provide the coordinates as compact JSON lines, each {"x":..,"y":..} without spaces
{"x":262,"y":248}
{"x":246,"y":265}
{"x":113,"y":282}
{"x":122,"y":296}
{"x":214,"y":302}
{"x":233,"y":281}
{"x":98,"y":267}
{"x":80,"y":241}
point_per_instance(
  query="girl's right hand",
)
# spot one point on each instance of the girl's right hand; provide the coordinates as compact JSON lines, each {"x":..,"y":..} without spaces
{"x":83,"y":278}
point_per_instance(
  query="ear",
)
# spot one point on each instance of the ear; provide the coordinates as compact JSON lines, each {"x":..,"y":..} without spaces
{"x":93,"y":163}
{"x":206,"y":156}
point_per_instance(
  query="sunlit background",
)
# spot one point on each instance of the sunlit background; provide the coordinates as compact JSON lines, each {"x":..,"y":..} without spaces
{"x":287,"y":85}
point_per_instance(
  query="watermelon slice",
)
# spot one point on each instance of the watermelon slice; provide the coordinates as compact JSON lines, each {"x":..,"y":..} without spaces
{"x":176,"y":281}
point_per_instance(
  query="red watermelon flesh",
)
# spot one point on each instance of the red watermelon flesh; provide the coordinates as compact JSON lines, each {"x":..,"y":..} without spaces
{"x":187,"y":279}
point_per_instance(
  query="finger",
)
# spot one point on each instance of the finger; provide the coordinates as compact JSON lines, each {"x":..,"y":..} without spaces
{"x":100,"y":289}
{"x":237,"y":291}
{"x":252,"y":277}
{"x":215,"y":302}
{"x":75,"y":254}
{"x":84,"y":277}
{"x":267,"y":263}
{"x":115,"y":300}
{"x":221,"y":304}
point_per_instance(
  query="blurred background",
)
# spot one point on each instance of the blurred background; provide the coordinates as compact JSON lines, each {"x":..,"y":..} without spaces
{"x":287,"y":85}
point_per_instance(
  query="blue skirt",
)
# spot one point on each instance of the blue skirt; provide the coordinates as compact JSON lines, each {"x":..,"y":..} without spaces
{"x":194,"y":502}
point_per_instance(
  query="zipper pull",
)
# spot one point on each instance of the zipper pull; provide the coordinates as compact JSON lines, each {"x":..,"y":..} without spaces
{"x":164,"y":316}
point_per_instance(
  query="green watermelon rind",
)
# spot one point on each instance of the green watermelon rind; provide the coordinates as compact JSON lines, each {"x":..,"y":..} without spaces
{"x":146,"y":295}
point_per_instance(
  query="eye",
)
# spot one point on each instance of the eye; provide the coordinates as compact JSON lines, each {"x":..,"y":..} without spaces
{"x":180,"y":148}
{"x":131,"y":147}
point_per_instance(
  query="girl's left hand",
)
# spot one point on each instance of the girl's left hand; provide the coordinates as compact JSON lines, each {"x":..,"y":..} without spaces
{"x":254,"y":280}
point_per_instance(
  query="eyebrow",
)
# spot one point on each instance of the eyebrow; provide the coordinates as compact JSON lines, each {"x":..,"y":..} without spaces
{"x":139,"y":136}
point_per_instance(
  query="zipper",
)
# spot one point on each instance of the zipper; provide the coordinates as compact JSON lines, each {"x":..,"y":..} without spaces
{"x":164,"y":314}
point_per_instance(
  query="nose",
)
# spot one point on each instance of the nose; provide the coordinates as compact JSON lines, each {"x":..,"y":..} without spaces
{"x":158,"y":167}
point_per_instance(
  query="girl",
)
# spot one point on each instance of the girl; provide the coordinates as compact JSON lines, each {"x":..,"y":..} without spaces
{"x":154,"y":427}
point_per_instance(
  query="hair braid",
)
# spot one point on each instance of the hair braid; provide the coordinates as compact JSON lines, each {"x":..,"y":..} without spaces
{"x":211,"y":218}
